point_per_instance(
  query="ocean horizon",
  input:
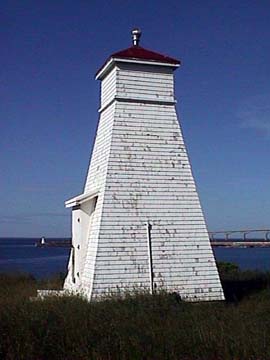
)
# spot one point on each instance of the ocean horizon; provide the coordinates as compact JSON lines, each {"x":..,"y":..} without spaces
{"x":22,"y":255}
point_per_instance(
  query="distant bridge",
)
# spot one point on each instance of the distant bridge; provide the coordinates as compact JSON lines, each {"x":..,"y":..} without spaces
{"x":240,"y":238}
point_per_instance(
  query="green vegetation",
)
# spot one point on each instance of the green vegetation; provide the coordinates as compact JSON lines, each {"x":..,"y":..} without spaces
{"x":239,"y":284}
{"x":137,"y":327}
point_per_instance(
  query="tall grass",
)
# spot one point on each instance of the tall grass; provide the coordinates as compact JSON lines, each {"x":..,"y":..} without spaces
{"x":137,"y":327}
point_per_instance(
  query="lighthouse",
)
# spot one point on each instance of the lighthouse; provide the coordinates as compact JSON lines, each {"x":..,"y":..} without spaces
{"x":138,"y":225}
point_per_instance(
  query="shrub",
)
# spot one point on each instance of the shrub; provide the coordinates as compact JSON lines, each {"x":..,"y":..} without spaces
{"x":239,"y":284}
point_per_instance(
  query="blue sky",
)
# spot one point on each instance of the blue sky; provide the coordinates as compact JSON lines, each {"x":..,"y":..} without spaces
{"x":49,"y":99}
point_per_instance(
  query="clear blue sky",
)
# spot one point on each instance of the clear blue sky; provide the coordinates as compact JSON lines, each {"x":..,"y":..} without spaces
{"x":50,"y":51}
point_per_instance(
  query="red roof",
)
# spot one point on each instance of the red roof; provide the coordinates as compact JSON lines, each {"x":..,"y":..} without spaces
{"x":140,"y":53}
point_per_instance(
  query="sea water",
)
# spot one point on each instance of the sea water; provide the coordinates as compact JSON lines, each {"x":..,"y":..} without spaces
{"x":21,"y":255}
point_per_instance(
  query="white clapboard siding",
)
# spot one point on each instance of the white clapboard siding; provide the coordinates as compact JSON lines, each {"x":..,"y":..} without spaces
{"x":108,"y":88}
{"x":138,"y":82}
{"x":141,"y":171}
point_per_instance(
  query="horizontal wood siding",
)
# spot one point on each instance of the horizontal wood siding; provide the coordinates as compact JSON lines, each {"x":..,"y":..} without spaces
{"x":108,"y":88}
{"x":96,"y":177}
{"x":149,"y":179}
{"x":96,"y":180}
{"x":142,"y":83}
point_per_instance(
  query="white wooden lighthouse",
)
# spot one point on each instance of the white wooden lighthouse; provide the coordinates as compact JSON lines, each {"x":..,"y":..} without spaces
{"x":138,"y":224}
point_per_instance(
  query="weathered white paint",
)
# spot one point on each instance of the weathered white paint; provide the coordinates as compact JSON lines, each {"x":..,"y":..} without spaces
{"x":140,"y":173}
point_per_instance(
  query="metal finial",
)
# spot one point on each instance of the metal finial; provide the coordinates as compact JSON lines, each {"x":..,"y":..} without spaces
{"x":136,"y":34}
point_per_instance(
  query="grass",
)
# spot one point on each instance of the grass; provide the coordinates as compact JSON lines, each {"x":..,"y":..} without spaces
{"x":137,"y":327}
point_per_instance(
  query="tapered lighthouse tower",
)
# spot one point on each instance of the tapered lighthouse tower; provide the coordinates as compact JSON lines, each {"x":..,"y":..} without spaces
{"x":138,"y":224}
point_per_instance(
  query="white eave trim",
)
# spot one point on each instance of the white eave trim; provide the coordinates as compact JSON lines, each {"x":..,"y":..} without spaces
{"x":134,"y":61}
{"x":144,"y":100}
{"x":79,"y":199}
{"x":104,"y":69}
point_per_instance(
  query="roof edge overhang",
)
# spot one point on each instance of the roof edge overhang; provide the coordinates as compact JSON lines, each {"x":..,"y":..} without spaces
{"x":80,"y":199}
{"x":109,"y":64}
